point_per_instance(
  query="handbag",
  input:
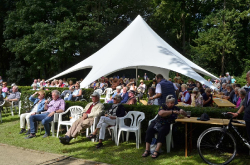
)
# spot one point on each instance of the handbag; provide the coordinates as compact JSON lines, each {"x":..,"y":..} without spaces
{"x":153,"y":145}
{"x":157,"y":126}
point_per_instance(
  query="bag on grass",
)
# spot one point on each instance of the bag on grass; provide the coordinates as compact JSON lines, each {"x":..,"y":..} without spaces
{"x":153,"y":145}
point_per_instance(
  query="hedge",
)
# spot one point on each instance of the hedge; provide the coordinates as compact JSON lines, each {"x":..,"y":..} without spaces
{"x":152,"y":110}
{"x":25,"y":94}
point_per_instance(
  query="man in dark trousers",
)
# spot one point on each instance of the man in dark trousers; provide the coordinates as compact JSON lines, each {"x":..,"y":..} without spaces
{"x":163,"y":89}
{"x":246,"y":108}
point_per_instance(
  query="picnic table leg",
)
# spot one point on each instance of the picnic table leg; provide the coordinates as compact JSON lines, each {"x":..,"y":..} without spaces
{"x":190,"y":139}
{"x":185,"y":139}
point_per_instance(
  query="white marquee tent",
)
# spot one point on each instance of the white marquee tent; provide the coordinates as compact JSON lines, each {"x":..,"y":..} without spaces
{"x":138,"y":46}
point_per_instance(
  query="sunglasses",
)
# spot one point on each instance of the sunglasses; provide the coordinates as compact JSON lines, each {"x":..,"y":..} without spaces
{"x":170,"y":97}
{"x":114,"y":99}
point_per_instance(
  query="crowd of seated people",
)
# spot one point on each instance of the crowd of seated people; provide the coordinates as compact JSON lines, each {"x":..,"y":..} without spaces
{"x":54,"y":83}
{"x":192,"y":92}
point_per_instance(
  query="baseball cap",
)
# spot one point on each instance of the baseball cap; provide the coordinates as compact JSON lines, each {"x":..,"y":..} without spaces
{"x":95,"y":94}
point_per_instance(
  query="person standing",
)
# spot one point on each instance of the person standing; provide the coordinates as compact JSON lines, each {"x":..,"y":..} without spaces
{"x":246,"y":108}
{"x":163,"y":89}
{"x":145,"y":77}
{"x":223,"y":79}
{"x":228,"y":78}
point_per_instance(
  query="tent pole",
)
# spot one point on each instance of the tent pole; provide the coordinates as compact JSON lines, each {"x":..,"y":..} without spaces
{"x":136,"y":78}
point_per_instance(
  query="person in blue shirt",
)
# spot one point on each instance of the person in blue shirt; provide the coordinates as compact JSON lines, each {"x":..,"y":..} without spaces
{"x":124,"y":95}
{"x":118,"y":92}
{"x":76,"y":93}
{"x":37,"y":107}
{"x":233,"y":80}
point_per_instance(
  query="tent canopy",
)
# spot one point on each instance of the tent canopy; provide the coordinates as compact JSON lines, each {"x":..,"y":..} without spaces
{"x":137,"y":46}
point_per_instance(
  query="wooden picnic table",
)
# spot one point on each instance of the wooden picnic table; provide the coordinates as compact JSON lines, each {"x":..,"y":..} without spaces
{"x":223,"y":102}
{"x":144,"y":102}
{"x":212,"y":121}
{"x":181,"y":104}
{"x":218,"y":95}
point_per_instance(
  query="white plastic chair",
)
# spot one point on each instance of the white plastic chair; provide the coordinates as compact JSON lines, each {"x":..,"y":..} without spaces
{"x":108,"y":94}
{"x":169,"y":137}
{"x":135,"y":126}
{"x":92,"y":127}
{"x":98,"y":91}
{"x":114,"y":129}
{"x":14,"y":104}
{"x":2,"y":103}
{"x":75,"y":113}
{"x":56,"y":116}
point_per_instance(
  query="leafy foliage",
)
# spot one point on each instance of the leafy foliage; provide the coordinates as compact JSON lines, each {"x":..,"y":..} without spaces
{"x":42,"y":38}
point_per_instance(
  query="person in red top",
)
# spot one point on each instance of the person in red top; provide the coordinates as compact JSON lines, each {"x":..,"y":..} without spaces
{"x":92,"y":110}
{"x":61,"y":85}
{"x":185,"y":94}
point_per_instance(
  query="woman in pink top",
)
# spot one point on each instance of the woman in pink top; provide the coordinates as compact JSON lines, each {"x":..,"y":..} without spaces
{"x":4,"y":89}
{"x":238,"y":103}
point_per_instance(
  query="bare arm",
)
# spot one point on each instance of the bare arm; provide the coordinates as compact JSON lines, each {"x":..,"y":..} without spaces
{"x":163,"y":113}
{"x":158,"y":95}
{"x":57,"y":111}
{"x":238,"y":112}
{"x":79,"y":94}
{"x":205,"y":102}
{"x":12,"y":99}
{"x":226,"y":97}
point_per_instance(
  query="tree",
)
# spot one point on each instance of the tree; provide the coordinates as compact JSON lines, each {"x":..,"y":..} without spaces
{"x":217,"y":47}
{"x":49,"y":36}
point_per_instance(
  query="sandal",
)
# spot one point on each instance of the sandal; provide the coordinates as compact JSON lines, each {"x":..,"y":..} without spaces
{"x":155,"y":156}
{"x":99,"y":145}
{"x":146,"y":153}
{"x":91,"y":136}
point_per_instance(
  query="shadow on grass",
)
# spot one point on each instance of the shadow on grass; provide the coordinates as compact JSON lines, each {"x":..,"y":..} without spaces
{"x":9,"y":118}
{"x":110,"y":153}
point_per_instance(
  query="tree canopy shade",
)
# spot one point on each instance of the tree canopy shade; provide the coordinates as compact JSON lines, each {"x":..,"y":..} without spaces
{"x":137,"y":46}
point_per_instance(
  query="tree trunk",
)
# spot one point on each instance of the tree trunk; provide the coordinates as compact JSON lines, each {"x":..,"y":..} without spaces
{"x":222,"y":62}
{"x":223,"y":49}
{"x":183,"y":28}
{"x":184,"y":34}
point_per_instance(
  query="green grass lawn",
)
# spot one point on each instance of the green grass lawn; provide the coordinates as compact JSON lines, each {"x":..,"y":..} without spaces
{"x":125,"y":153}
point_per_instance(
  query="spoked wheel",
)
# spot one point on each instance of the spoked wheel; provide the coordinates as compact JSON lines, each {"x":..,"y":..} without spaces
{"x":216,"y":146}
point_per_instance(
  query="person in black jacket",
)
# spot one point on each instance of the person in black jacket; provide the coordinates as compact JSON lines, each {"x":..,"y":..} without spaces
{"x":117,"y":110}
{"x":161,"y":125}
